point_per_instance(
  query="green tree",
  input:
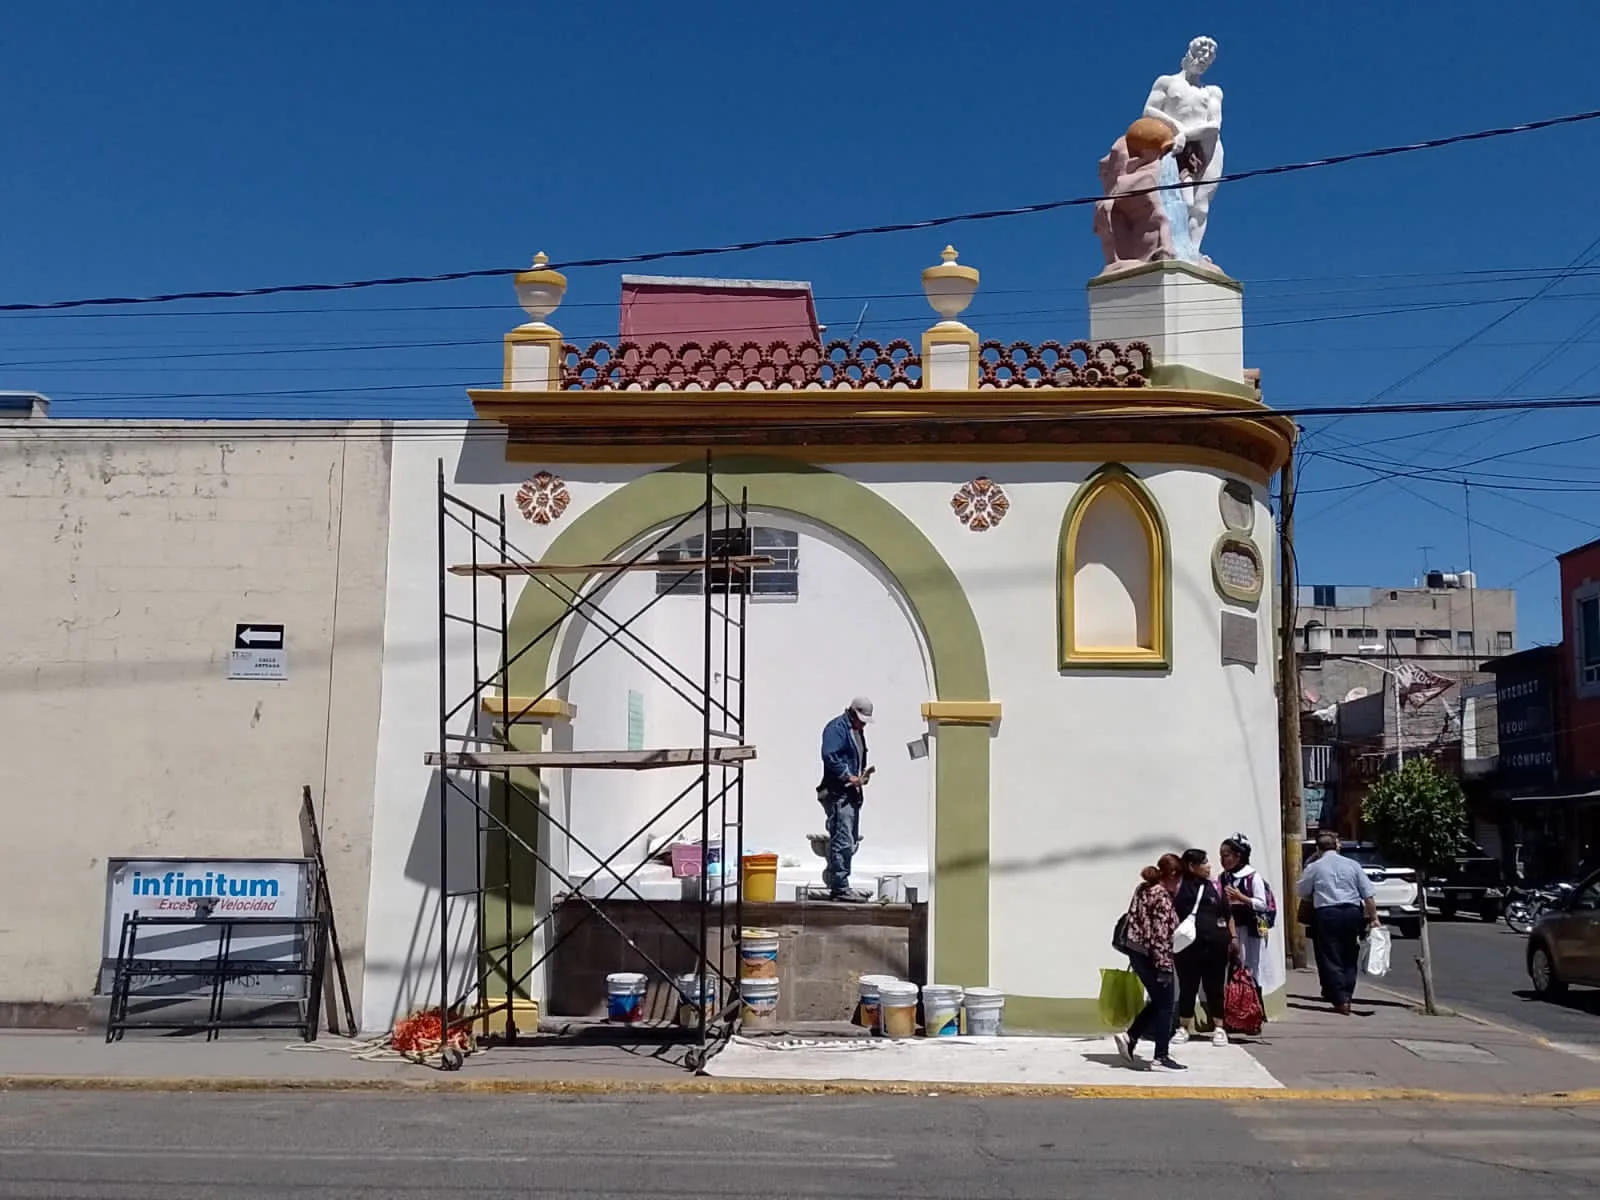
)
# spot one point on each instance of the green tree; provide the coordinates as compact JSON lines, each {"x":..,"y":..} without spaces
{"x":1417,"y":817}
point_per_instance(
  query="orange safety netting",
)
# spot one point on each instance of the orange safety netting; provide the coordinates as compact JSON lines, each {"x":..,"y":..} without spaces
{"x":420,"y":1033}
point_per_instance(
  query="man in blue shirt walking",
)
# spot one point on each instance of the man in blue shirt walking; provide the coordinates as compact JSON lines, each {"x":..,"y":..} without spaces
{"x":1343,"y":908}
{"x":844,"y":773}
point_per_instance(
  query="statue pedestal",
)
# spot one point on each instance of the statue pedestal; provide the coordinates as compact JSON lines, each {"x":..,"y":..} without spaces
{"x":1190,"y":316}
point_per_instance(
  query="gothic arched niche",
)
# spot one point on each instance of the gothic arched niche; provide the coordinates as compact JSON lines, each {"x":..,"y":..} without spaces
{"x":1113,"y":582}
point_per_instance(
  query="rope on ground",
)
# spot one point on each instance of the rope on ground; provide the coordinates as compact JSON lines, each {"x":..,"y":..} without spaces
{"x":416,"y":1039}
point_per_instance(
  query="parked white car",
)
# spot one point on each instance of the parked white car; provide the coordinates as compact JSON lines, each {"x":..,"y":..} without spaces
{"x":1394,"y":888}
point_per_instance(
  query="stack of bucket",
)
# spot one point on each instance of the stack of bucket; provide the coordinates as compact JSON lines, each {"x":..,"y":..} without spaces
{"x":888,"y":1007}
{"x":758,"y":979}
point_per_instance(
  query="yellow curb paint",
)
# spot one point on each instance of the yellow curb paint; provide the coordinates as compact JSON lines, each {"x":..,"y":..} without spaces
{"x":762,"y":1087}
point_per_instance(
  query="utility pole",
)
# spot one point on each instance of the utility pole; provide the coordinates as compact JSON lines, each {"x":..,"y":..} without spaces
{"x":1290,"y":782}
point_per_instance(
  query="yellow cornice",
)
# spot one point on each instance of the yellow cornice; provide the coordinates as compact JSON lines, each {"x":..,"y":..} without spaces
{"x":589,"y":407}
{"x":654,"y":426}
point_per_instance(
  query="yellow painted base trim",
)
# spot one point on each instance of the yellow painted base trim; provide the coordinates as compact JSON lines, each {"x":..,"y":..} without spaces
{"x":525,"y":708}
{"x":428,"y":1078}
{"x":961,"y":712}
{"x":524,"y":1012}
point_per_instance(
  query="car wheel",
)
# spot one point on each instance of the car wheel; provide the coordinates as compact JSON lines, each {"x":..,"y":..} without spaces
{"x":1542,"y":973}
{"x":1409,"y":929}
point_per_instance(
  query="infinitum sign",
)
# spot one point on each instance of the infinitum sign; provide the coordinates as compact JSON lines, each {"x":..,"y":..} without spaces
{"x":172,"y":887}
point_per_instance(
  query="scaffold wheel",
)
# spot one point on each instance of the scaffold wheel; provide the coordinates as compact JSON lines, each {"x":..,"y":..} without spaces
{"x":451,"y":1059}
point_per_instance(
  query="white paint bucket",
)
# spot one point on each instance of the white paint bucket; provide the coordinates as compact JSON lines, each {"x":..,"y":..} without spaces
{"x":898,"y":1004}
{"x":984,"y":1008}
{"x":688,"y":1011}
{"x":869,"y":1013}
{"x":889,"y":888}
{"x":758,"y":954}
{"x":758,"y":1003}
{"x":941,"y":1010}
{"x":625,"y":996}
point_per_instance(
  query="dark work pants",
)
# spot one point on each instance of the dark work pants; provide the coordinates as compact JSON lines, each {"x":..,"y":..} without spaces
{"x":1154,"y":1022}
{"x":844,"y":831}
{"x":1336,"y":936}
{"x":1203,"y":965}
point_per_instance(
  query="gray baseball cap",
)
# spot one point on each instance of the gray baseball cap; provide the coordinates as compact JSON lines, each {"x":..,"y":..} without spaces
{"x":862,"y":707}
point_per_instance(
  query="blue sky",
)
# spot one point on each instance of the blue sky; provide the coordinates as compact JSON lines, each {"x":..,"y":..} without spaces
{"x":182,"y":145}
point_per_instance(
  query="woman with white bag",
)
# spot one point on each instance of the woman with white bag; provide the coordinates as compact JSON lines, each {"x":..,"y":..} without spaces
{"x":1206,"y":943}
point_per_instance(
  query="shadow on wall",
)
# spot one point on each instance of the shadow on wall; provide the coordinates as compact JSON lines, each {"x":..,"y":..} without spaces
{"x":418,"y":985}
{"x":1154,"y":846}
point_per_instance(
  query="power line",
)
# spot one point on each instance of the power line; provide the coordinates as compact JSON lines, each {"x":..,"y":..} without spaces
{"x":807,"y":239}
{"x":99,"y":428}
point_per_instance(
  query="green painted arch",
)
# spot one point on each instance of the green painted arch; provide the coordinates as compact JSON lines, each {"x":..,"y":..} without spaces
{"x":932,"y":594}
{"x":1160,"y":574}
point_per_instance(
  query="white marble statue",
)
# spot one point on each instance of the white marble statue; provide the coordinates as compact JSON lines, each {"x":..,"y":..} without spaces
{"x":1194,"y":113}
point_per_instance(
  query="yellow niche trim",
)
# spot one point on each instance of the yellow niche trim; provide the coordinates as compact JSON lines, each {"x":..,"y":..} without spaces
{"x":526,"y":708}
{"x":1157,"y":655}
{"x":961,"y":712}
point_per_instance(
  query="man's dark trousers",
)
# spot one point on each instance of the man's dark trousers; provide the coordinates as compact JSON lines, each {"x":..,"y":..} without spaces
{"x":1337,"y":939}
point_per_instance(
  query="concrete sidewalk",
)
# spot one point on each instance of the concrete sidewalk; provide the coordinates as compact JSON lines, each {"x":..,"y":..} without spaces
{"x":1386,"y":1050}
{"x":1387,"y":1044}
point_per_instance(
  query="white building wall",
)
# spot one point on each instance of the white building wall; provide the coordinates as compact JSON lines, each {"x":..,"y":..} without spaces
{"x":1093,"y":775}
{"x":126,"y":558}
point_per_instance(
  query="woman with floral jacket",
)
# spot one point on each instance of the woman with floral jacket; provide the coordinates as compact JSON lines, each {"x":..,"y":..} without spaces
{"x":1152,"y":920}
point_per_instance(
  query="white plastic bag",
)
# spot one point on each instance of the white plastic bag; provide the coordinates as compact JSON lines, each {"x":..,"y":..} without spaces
{"x":1375,"y":952}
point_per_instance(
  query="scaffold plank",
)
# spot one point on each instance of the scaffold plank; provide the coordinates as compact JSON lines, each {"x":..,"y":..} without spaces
{"x":649,"y":564}
{"x":614,"y":760}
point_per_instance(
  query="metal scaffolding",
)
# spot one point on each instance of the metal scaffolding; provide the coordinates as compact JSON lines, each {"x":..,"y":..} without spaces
{"x":476,"y":757}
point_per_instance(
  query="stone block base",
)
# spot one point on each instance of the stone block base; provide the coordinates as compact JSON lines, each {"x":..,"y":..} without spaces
{"x":823,"y":950}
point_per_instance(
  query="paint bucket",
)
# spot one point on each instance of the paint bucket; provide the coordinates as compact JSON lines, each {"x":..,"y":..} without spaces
{"x":984,"y":1008}
{"x":686,"y":860}
{"x":758,"y":1003}
{"x":898,"y":1004}
{"x":869,"y":1013}
{"x":889,"y":889}
{"x":713,"y":857}
{"x":760,"y":878}
{"x":625,"y":996}
{"x":688,"y":1011}
{"x":758,"y":954}
{"x":941,"y":1010}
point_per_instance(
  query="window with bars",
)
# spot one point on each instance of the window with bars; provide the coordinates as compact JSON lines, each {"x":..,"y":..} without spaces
{"x":780,"y":581}
{"x":1589,"y":639}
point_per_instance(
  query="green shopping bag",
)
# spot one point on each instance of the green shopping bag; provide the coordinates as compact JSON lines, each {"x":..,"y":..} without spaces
{"x":1121,"y":997}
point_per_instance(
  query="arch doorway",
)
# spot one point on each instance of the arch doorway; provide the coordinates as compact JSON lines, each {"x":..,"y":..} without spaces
{"x":846,"y":518}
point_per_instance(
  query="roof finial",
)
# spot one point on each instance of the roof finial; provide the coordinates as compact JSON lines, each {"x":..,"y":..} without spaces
{"x":949,"y":254}
{"x":540,"y":261}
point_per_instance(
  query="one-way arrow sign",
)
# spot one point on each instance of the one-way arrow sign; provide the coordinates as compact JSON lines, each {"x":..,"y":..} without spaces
{"x":258,"y":637}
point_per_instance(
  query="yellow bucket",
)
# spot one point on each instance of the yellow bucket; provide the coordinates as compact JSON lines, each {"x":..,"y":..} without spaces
{"x":760,"y":877}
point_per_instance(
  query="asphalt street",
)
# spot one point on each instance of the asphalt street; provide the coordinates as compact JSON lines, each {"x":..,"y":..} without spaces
{"x":128,"y":1146}
{"x":1481,"y":969}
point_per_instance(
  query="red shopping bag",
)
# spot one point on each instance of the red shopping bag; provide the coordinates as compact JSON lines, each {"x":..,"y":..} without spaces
{"x":1242,"y":1009}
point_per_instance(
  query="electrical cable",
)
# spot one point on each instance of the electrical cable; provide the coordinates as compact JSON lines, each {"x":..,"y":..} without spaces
{"x":809,"y":239}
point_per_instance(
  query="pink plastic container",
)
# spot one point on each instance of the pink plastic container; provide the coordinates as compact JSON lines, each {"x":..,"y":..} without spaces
{"x":687,"y":860}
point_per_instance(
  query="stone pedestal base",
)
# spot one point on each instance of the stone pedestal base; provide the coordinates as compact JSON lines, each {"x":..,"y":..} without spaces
{"x":1189,"y":316}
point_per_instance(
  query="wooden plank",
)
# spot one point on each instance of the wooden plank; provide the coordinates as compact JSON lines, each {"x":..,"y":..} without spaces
{"x":613,"y":760}
{"x":651,"y":564}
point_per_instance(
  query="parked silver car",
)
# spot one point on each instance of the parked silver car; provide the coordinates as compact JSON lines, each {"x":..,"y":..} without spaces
{"x":1564,"y":947}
